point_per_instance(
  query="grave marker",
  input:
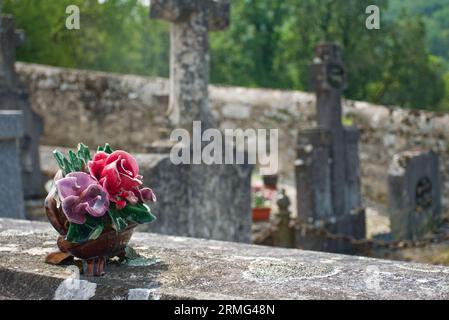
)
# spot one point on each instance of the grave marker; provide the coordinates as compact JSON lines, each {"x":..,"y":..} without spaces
{"x":197,"y":200}
{"x":327,"y":168}
{"x":13,"y":96}
{"x":414,"y":194}
{"x":11,"y":190}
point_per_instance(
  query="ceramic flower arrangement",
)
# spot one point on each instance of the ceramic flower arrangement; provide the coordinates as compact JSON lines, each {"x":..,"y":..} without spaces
{"x":95,"y":204}
{"x":261,"y":206}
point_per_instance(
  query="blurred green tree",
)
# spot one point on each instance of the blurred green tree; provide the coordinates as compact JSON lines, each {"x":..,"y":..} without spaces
{"x":273,"y":43}
{"x":269,"y":44}
{"x":445,"y":101}
{"x":114,"y":36}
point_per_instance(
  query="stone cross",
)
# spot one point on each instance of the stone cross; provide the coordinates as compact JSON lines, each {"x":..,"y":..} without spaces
{"x":9,"y":40}
{"x":327,"y":167}
{"x":11,"y":129}
{"x":13,"y":96}
{"x":414,"y":194}
{"x":191,"y":21}
{"x":328,"y":79}
{"x":198,"y":200}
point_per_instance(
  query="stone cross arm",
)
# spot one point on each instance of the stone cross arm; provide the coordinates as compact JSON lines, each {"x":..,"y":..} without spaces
{"x":180,"y":10}
{"x":17,"y":37}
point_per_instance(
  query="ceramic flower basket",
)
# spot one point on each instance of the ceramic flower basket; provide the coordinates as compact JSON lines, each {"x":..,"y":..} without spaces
{"x":94,"y":205}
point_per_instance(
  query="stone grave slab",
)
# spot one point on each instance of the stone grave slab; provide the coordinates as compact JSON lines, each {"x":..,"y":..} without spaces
{"x":414,"y":186}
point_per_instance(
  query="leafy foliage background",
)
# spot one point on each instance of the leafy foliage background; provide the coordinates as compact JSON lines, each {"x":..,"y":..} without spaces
{"x":269,"y":44}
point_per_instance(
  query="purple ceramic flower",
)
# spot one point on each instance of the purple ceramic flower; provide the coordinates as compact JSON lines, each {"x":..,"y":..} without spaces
{"x":81,"y":194}
{"x":142,"y":195}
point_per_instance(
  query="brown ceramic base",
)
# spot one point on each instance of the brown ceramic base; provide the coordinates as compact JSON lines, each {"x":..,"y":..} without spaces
{"x":58,"y":257}
{"x":94,"y":267}
{"x":91,"y":267}
{"x":94,"y":253}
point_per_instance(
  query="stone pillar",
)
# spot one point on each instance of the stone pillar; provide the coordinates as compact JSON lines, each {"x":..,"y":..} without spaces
{"x":191,"y":22}
{"x":13,"y":96}
{"x":353,"y":196}
{"x":414,"y":194}
{"x":313,"y":179}
{"x":328,"y":77}
{"x":11,"y":190}
{"x":353,"y":223}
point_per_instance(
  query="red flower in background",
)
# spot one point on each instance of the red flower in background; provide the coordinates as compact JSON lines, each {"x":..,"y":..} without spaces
{"x":118,"y":173}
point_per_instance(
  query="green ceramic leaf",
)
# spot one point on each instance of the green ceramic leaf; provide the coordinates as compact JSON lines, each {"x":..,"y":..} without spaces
{"x":64,"y":164}
{"x":90,"y":230}
{"x":118,"y":221}
{"x":60,"y":160}
{"x":139,"y":213}
{"x":76,"y":163}
{"x":108,"y":149}
{"x":68,"y":166}
{"x":83,"y":153}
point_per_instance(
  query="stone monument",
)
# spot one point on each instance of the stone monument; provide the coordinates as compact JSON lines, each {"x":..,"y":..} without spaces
{"x":13,"y":96}
{"x":327,"y":167}
{"x":414,"y":194}
{"x":11,"y":189}
{"x":197,"y":200}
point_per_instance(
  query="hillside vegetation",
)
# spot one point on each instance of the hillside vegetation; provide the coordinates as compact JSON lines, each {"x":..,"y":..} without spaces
{"x":269,"y":44}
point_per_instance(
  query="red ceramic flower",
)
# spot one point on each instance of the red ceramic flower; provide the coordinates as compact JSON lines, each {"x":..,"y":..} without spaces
{"x":118,"y":173}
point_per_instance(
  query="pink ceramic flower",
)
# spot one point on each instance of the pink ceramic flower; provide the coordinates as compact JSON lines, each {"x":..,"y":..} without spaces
{"x":81,"y":194}
{"x":118,"y":173}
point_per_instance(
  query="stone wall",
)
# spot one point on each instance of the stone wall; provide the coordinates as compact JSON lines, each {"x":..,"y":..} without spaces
{"x":129,"y":111}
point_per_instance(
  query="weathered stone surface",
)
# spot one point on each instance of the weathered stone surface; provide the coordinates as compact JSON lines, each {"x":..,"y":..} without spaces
{"x":11,"y":125}
{"x":189,"y":57}
{"x":180,"y":10}
{"x":313,"y":176}
{"x":13,"y":96}
{"x":198,"y":200}
{"x":176,"y":267}
{"x":236,"y":111}
{"x":415,"y":193}
{"x":11,"y":189}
